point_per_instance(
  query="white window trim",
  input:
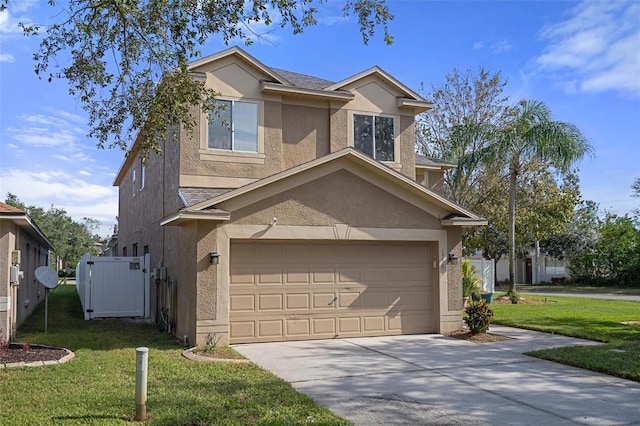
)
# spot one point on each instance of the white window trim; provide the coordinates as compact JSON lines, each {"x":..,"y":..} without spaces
{"x":142,"y":174}
{"x":230,"y":156}
{"x":133,"y":181}
{"x":396,"y":136}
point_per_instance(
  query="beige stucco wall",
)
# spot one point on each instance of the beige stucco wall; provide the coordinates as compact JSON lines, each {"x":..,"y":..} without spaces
{"x":454,"y":272}
{"x":140,"y":211}
{"x":340,"y":197}
{"x":23,"y":299}
{"x":305,"y":134}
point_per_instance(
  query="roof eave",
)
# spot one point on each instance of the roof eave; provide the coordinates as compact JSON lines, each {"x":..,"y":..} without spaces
{"x":23,"y":220}
{"x":269,"y":87}
{"x":464,"y":221}
{"x":418,"y":106}
{"x":182,"y":217}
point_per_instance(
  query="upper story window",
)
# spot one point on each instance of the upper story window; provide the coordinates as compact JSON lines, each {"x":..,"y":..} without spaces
{"x":234,"y":126}
{"x":143,"y":169}
{"x":374,"y":135}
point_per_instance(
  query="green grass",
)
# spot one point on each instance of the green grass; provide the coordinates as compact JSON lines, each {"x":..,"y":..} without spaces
{"x":575,"y":289}
{"x":593,"y":319}
{"x":98,"y":386}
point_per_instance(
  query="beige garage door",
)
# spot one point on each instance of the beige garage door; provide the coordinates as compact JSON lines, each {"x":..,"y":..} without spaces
{"x":317,"y":290}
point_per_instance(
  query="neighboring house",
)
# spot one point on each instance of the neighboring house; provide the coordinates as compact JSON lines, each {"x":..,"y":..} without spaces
{"x":298,"y":212}
{"x":549,"y":269}
{"x":23,"y":248}
{"x":111,"y":247}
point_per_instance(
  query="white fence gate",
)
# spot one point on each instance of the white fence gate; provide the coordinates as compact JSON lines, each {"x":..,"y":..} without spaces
{"x":113,"y":286}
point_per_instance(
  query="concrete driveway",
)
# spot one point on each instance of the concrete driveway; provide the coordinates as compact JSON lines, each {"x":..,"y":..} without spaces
{"x":433,"y":379}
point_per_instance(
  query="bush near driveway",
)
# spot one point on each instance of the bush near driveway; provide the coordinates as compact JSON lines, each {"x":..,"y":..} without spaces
{"x":594,"y":319}
{"x":98,"y":386}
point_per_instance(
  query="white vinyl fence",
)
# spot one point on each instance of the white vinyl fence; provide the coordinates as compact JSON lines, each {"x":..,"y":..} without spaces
{"x":113,"y":286}
{"x":485,"y":269}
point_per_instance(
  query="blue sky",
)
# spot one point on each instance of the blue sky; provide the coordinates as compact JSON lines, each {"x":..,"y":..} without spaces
{"x":581,"y":58}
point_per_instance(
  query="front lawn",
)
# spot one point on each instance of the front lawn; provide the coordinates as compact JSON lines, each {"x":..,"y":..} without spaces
{"x":98,"y":386}
{"x":593,"y":319}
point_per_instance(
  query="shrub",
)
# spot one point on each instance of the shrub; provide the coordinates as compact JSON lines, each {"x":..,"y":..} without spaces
{"x":479,"y":316}
{"x":470,"y":284}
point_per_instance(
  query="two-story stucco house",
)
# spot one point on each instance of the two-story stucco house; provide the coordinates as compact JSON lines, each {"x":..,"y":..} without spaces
{"x":301,"y":211}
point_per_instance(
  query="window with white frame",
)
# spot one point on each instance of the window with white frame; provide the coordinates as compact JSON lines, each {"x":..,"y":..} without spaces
{"x":234,"y":126}
{"x":554,"y":266}
{"x":142,"y":173}
{"x":133,"y":181}
{"x":375,"y":136}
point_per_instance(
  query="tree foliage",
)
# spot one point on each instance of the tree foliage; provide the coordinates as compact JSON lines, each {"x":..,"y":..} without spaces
{"x":127,"y":61}
{"x":467,"y":108}
{"x":612,"y":257}
{"x":635,"y":187}
{"x":71,"y":239}
{"x":531,"y":134}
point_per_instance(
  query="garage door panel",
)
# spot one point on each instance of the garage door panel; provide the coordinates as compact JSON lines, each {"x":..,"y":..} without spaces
{"x":349,"y":275}
{"x":349,"y":325}
{"x":242,"y":302}
{"x":324,"y":326}
{"x":270,"y":302}
{"x":268,"y":253}
{"x":349,"y":300}
{"x":243,"y":329}
{"x":298,"y":327}
{"x":269,"y":276}
{"x":374,"y":324}
{"x":324,"y":276}
{"x":297,"y":301}
{"x":297,"y":276}
{"x":242,"y":276}
{"x":270,"y":329}
{"x":326,"y":290}
{"x":324,"y":300}
{"x":374,"y":299}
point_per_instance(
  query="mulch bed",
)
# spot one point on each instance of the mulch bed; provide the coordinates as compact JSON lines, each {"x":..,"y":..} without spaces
{"x":478,"y":338}
{"x":30,"y":353}
{"x":504,"y":300}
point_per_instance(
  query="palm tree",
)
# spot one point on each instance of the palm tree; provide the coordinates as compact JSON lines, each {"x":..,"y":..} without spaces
{"x":529,"y":134}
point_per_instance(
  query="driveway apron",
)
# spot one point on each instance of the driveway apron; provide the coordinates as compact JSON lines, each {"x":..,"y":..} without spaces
{"x":434,"y":379}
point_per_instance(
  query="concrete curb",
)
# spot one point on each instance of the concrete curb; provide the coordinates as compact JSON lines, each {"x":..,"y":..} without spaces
{"x":68,"y":357}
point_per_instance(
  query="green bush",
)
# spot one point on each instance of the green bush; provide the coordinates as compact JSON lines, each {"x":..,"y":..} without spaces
{"x":478,"y":317}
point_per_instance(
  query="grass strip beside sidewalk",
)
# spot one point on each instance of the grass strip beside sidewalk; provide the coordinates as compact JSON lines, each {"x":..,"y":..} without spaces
{"x":593,"y":319}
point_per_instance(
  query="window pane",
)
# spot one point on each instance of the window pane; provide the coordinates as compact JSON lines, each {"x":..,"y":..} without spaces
{"x":363,"y":133}
{"x":245,"y":126}
{"x":219,"y":136}
{"x":384,"y":139}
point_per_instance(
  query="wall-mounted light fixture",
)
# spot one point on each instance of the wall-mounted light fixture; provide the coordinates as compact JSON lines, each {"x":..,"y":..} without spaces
{"x":214,"y":258}
{"x":453,"y":259}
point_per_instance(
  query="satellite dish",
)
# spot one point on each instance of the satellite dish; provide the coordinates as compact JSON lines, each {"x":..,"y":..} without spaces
{"x":47,"y":276}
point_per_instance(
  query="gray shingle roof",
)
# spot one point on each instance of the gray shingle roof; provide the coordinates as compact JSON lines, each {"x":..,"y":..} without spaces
{"x":423,"y":160}
{"x":304,"y":81}
{"x":197,"y":195}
